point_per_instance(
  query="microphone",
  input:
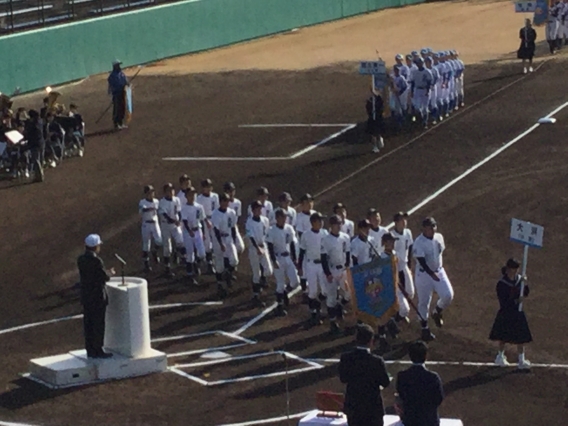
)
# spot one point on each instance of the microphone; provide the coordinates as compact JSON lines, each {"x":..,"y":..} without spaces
{"x":123,"y":264}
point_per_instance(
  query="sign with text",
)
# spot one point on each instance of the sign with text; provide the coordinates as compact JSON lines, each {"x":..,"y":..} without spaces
{"x":525,"y":6}
{"x":373,"y":68}
{"x":526,"y":233}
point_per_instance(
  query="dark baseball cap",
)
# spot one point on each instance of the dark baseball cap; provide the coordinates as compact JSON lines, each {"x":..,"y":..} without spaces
{"x":399,"y":216}
{"x":306,"y":197}
{"x":363,"y":224}
{"x":148,"y":188}
{"x":168,"y":186}
{"x":429,"y":221}
{"x":229,"y":186}
{"x":255,"y":205}
{"x":339,"y":206}
{"x":285,"y":196}
{"x":263,"y":190}
{"x":183,"y":178}
{"x":190,"y":190}
{"x":316,"y":216}
{"x":206,"y":182}
{"x":279,"y":213}
{"x":224,"y":197}
{"x":335,"y":220}
{"x":388,"y":237}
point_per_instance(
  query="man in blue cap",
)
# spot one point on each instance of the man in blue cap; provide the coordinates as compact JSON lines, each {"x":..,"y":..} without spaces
{"x":117,"y":83}
{"x":433,"y":95}
{"x":421,"y":84}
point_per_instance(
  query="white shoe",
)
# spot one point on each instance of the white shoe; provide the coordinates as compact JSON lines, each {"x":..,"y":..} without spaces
{"x":524,"y":364}
{"x":524,"y":70}
{"x":531,"y":69}
{"x":501,"y":361}
{"x":376,"y":150}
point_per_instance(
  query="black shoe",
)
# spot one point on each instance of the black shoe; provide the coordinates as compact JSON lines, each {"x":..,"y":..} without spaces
{"x":221,"y":292}
{"x":156,"y":257}
{"x":286,"y":300}
{"x":400,"y":318}
{"x":427,"y":335}
{"x":147,"y":267}
{"x":315,"y":320}
{"x":438,"y":319}
{"x":263,"y":282}
{"x":334,"y":329}
{"x":228,"y":279}
{"x":196,"y":269}
{"x":384,"y":346}
{"x":257,"y":303}
{"x":210,"y":269}
{"x":393,"y":329}
{"x":280,"y":311}
{"x":321,"y":297}
{"x":305,"y":299}
{"x":288,"y":289}
{"x":103,"y":355}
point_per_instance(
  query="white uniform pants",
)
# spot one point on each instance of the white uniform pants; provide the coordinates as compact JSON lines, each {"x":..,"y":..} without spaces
{"x":339,"y":279}
{"x":425,"y":286}
{"x":404,"y":307}
{"x":420,"y":100}
{"x":239,"y":242}
{"x":395,"y":104}
{"x":150,"y":231}
{"x":193,"y":244}
{"x":286,"y":269}
{"x":433,"y":98}
{"x":256,"y":261}
{"x":459,"y":86}
{"x":316,"y":279}
{"x":452,"y":89}
{"x":208,"y":237}
{"x":439,"y":93}
{"x":230,"y":253}
{"x":171,"y":232}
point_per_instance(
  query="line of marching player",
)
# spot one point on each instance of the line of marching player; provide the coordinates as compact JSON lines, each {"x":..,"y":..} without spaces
{"x":426,"y":86}
{"x":201,"y":228}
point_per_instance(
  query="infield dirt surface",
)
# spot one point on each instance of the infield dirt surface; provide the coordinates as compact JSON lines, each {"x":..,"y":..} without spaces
{"x":192,"y":107}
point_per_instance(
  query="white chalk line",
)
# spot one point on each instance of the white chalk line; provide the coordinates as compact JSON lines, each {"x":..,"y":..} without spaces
{"x":421,"y":135}
{"x":14,"y":424}
{"x":79,"y":316}
{"x":271,"y":420}
{"x":450,"y":363}
{"x":293,"y":156}
{"x":256,"y":126}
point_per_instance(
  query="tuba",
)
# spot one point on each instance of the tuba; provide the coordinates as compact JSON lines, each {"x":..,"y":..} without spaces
{"x":53,"y":106}
{"x":5,"y":102}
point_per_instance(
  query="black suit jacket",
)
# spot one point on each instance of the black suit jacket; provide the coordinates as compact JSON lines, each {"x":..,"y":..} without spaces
{"x":364,"y":374}
{"x":93,"y":280}
{"x":421,"y":393}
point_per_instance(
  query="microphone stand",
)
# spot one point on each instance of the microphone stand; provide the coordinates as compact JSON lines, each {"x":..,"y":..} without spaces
{"x":123,"y":264}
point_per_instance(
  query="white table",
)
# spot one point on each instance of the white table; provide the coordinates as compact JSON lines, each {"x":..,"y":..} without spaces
{"x":312,"y":419}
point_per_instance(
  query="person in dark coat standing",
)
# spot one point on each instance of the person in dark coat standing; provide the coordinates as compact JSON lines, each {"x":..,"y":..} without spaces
{"x":93,"y":278}
{"x":420,"y":391}
{"x":364,"y":374}
{"x":117,"y":82}
{"x":527,"y":34}
{"x":375,"y":122}
{"x":510,"y":325}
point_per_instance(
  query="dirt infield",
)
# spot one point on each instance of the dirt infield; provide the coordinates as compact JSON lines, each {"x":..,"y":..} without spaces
{"x":196,"y":106}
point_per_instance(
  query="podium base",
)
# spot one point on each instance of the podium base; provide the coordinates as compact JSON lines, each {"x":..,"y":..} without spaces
{"x":75,"y":369}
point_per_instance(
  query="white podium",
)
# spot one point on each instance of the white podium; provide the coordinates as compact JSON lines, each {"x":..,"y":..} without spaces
{"x":127,"y":337}
{"x":314,"y":419}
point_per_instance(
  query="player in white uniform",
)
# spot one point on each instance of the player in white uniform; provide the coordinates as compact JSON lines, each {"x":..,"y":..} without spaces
{"x":302,"y":225}
{"x":262,"y":197}
{"x":335,"y":259}
{"x":376,"y":230}
{"x":398,"y":98}
{"x":411,"y":69}
{"x":148,"y":209}
{"x":347,"y":226}
{"x":170,"y":224}
{"x":184,"y":183}
{"x":433,"y":95}
{"x":460,"y":100}
{"x":210,"y":202}
{"x":421,"y":83}
{"x":430,"y":275}
{"x":237,"y":206}
{"x":193,"y":217}
{"x":445,"y":72}
{"x":284,"y":201}
{"x":451,"y":81}
{"x":310,"y":256}
{"x":224,"y":221}
{"x":281,"y":241}
{"x":362,"y":245}
{"x":403,"y":250}
{"x":439,"y":86}
{"x":257,"y":227}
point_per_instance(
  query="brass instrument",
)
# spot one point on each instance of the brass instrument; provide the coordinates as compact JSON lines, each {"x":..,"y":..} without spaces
{"x":53,"y":106}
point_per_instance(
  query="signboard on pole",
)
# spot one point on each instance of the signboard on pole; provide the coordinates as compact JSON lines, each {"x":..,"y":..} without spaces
{"x":372,"y":68}
{"x":525,"y":6}
{"x":540,"y":12}
{"x":527,"y":233}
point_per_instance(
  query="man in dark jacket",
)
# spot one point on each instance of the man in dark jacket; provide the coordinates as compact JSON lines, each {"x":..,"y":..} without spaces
{"x":117,"y":82}
{"x":93,"y":278}
{"x":420,"y":390}
{"x":364,"y":374}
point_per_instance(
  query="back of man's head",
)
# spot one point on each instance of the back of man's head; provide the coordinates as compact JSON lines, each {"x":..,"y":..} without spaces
{"x":364,"y":335}
{"x":417,"y":352}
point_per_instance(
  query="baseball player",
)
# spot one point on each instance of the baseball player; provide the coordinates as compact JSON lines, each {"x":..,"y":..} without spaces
{"x":398,"y":96}
{"x":347,"y":226}
{"x":451,"y":81}
{"x":376,"y":230}
{"x":169,"y":209}
{"x":284,"y":201}
{"x":281,"y":241}
{"x":402,"y":68}
{"x":310,"y":259}
{"x":433,"y":95}
{"x":430,"y":275}
{"x":421,"y":83}
{"x":262,"y":197}
{"x":440,"y":68}
{"x":224,"y":221}
{"x":236,"y":205}
{"x":460,"y":101}
{"x":193,"y":217}
{"x":184,"y":183}
{"x":257,"y":227}
{"x":362,"y":246}
{"x":148,"y":209}
{"x":210,"y":202}
{"x":335,"y":258}
{"x":302,"y":225}
{"x":445,"y":72}
{"x":403,"y":249}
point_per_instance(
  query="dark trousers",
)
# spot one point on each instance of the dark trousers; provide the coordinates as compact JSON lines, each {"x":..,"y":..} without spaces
{"x":364,"y":420}
{"x":118,"y":108}
{"x":94,"y":328}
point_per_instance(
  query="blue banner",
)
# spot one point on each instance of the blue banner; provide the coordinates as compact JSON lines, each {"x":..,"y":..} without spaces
{"x":540,"y":13}
{"x":128,"y":112}
{"x":373,"y":286}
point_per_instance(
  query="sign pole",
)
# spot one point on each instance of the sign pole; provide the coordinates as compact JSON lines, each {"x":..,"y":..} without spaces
{"x":524,"y":272}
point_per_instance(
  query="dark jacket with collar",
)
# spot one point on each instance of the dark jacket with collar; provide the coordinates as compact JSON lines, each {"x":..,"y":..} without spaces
{"x":93,"y":278}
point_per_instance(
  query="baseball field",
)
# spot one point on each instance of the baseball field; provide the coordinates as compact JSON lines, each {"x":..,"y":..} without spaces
{"x":473,"y":172}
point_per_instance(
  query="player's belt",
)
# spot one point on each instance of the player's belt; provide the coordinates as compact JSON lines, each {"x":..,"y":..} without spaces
{"x":149,"y":221}
{"x":433,"y":270}
{"x":224,"y":235}
{"x":194,"y":229}
{"x":284,"y":254}
{"x":208,"y":216}
{"x":338,"y":267}
{"x":316,"y":261}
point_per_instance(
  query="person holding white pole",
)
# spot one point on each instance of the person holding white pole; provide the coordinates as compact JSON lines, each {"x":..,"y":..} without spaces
{"x":510,"y":325}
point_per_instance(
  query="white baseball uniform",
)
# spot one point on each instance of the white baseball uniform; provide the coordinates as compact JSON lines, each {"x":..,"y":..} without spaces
{"x":336,"y":247}
{"x":291,"y":215}
{"x":310,"y":242}
{"x":421,"y":84}
{"x":170,"y":230}
{"x":266,"y":209}
{"x":257,"y":229}
{"x":303,"y":224}
{"x":348,"y":227}
{"x":192,"y":216}
{"x":224,"y":222}
{"x":210,"y":203}
{"x":433,"y":95}
{"x":150,"y":230}
{"x":401,"y":246}
{"x":237,"y":206}
{"x":377,"y":235}
{"x":431,"y":250}
{"x":362,"y":250}
{"x":459,"y":80}
{"x":281,"y":240}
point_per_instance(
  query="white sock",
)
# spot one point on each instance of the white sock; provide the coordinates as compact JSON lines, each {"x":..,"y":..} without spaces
{"x":522,"y":357}
{"x":501,"y":353}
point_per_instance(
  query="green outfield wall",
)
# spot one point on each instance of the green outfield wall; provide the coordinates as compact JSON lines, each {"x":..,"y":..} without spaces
{"x":55,"y":55}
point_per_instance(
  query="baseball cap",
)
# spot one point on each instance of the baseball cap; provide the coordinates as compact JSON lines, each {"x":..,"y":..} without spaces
{"x":206,"y":182}
{"x":414,"y":53}
{"x":428,"y":59}
{"x":224,"y":197}
{"x":424,"y":52}
{"x":408,"y":56}
{"x":229,"y":186}
{"x":419,"y":60}
{"x":334,"y":220}
{"x":148,"y":188}
{"x":388,"y":237}
{"x":255,"y":205}
{"x":363,"y":224}
{"x":116,"y":62}
{"x":183,"y":178}
{"x":168,"y":186}
{"x":190,"y":190}
{"x":263,"y":190}
{"x":306,"y":197}
{"x":339,"y":206}
{"x":285,"y":196}
{"x":93,"y":240}
{"x":399,"y":57}
{"x":429,"y":221}
{"x":316,"y":216}
{"x":399,"y":215}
